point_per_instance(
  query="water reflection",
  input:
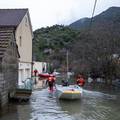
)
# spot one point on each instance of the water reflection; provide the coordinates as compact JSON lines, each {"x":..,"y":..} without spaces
{"x":92,"y":106}
{"x":45,"y":106}
{"x":9,"y":113}
{"x":15,"y":112}
{"x":24,"y":112}
{"x":70,"y":107}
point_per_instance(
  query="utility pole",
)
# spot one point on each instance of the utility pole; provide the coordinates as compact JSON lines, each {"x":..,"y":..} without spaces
{"x":67,"y":64}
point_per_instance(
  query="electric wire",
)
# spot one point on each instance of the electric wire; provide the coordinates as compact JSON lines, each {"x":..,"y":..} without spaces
{"x":93,"y":13}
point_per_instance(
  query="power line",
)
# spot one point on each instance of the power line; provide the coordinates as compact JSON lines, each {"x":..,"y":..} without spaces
{"x":94,"y":8}
{"x":93,"y":12}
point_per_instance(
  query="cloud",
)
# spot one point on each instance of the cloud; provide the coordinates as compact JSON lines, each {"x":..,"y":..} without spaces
{"x":49,"y":12}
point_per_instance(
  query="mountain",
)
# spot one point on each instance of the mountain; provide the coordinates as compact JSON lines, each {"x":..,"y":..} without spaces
{"x":52,"y":41}
{"x":90,"y":50}
{"x":97,"y":43}
{"x":79,"y":24}
{"x":109,"y":16}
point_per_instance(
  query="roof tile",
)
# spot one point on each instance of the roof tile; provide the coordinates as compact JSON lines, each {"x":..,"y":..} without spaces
{"x":11,"y":17}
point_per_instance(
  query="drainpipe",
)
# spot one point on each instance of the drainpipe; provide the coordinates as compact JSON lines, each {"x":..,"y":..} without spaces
{"x":32,"y":60}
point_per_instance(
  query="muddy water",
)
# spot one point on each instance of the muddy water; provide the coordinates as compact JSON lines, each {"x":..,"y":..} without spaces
{"x":45,"y":106}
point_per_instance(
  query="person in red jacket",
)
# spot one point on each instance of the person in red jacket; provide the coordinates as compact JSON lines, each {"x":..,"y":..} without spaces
{"x":51,"y":81}
{"x":35,"y":74}
{"x":80,"y":81}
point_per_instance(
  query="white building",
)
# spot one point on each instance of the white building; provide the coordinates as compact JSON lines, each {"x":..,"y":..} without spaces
{"x":19,"y":19}
{"x":41,"y":67}
{"x":24,"y":37}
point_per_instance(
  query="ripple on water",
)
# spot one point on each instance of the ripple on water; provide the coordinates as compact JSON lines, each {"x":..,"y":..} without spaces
{"x":45,"y":107}
{"x":97,"y":106}
{"x":92,"y":106}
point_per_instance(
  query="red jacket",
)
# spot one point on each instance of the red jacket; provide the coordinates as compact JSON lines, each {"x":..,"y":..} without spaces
{"x":51,"y":79}
{"x":80,"y":81}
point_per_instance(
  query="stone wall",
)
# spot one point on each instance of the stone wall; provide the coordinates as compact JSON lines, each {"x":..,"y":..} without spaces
{"x":1,"y":87}
{"x":9,"y":71}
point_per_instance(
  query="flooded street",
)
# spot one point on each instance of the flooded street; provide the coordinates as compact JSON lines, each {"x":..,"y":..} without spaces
{"x":45,"y":106}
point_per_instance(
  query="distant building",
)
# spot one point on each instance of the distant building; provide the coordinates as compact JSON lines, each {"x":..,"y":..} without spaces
{"x":41,"y":67}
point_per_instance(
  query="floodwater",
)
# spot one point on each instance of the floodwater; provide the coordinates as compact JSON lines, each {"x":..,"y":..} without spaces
{"x":45,"y":106}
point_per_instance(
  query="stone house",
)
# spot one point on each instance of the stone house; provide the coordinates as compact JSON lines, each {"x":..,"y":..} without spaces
{"x":15,"y":22}
{"x":20,"y":20}
{"x":8,"y":63}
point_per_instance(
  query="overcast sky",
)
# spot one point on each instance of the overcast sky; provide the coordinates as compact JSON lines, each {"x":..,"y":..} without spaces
{"x":49,"y":12}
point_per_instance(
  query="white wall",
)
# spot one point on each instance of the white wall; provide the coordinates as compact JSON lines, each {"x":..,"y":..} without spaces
{"x":24,"y":37}
{"x":24,"y":72}
{"x":24,"y":40}
{"x":39,"y":66}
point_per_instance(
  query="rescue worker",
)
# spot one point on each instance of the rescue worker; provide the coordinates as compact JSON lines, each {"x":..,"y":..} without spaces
{"x":51,"y":81}
{"x":35,"y":74}
{"x":80,"y":81}
{"x":65,"y":83}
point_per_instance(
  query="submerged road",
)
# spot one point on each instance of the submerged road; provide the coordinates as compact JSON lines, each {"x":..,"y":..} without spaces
{"x":45,"y":106}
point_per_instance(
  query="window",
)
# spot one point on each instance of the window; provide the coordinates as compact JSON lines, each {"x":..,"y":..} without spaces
{"x":20,"y":41}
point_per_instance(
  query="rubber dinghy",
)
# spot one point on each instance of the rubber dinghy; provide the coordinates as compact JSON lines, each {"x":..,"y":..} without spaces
{"x":70,"y":92}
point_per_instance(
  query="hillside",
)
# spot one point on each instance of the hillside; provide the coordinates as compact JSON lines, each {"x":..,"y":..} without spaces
{"x":80,"y":24}
{"x":96,"y":46}
{"x":90,"y":50}
{"x":50,"y":44}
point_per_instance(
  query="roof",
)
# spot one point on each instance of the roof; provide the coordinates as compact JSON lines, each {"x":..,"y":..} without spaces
{"x":11,"y":17}
{"x":6,"y":35}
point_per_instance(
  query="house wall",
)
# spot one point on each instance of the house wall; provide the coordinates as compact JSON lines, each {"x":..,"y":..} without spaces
{"x":1,"y":88}
{"x":24,"y":72}
{"x":24,"y":41}
{"x":8,"y":74}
